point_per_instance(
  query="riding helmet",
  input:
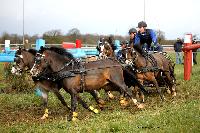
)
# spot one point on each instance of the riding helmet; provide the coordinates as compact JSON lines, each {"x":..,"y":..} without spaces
{"x":132,"y":30}
{"x":142,"y":24}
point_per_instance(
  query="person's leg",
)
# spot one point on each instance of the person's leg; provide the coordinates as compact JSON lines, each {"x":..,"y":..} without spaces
{"x":181,"y":57}
{"x":177,"y":58}
{"x":194,"y":58}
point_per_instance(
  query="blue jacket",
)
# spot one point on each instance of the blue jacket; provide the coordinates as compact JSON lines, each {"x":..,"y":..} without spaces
{"x":147,"y":37}
{"x":178,"y":46}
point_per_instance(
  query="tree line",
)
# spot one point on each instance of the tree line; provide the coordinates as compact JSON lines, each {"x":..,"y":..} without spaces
{"x":57,"y":37}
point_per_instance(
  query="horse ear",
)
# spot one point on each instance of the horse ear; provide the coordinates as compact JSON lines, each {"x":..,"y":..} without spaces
{"x":42,"y":48}
{"x":20,"y":48}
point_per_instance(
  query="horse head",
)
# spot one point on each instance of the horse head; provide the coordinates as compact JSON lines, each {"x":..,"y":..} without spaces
{"x":130,"y":55}
{"x":23,"y":59}
{"x":107,"y":48}
{"x":47,"y":59}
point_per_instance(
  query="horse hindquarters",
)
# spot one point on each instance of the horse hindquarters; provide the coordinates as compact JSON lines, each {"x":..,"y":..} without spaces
{"x":117,"y":78}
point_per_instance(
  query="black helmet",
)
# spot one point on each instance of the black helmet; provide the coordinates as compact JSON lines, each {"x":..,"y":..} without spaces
{"x":142,"y":24}
{"x":132,"y":30}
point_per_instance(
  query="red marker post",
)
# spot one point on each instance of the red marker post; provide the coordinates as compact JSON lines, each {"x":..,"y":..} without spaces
{"x":187,"y":56}
{"x":187,"y":49}
{"x":78,"y":43}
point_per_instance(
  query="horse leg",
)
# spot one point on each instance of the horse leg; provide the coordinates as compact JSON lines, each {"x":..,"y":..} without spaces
{"x":84,"y":104}
{"x":162,"y":78}
{"x":135,"y":91}
{"x":141,"y":94}
{"x":124,"y":89}
{"x":158,"y":89}
{"x":73,"y":115}
{"x":60,"y":97}
{"x":74,"y":97}
{"x":97,"y":98}
{"x":171,"y":84}
{"x":44,"y":97}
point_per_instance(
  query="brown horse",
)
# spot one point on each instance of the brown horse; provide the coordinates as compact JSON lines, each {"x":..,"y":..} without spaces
{"x":152,"y":68}
{"x":24,"y":60}
{"x":78,"y":77}
{"x":107,"y":51}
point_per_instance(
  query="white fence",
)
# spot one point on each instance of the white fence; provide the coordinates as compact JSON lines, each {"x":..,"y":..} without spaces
{"x":88,"y":46}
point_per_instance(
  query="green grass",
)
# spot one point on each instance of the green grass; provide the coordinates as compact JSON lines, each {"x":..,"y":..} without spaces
{"x":20,"y":112}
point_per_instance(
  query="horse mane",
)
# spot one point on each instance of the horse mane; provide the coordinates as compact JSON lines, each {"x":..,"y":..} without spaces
{"x":138,"y":49}
{"x":32,"y":51}
{"x":57,"y":50}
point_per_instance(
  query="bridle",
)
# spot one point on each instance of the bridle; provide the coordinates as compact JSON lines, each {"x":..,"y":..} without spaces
{"x":17,"y":68}
{"x":39,"y":58}
{"x":130,"y":61}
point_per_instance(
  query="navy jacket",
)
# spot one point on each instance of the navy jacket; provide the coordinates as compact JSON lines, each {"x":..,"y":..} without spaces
{"x":147,"y":37}
{"x":178,"y":46}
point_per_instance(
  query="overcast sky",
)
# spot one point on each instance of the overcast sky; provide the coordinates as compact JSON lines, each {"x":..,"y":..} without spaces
{"x":174,"y":17}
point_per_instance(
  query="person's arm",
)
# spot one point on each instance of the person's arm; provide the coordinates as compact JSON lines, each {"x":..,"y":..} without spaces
{"x":153,"y":36}
{"x":174,"y":46}
{"x":137,"y":40}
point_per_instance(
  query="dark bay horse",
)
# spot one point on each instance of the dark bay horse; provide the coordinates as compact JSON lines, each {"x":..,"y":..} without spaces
{"x":78,"y":77}
{"x":24,"y":60}
{"x":155,"y":67}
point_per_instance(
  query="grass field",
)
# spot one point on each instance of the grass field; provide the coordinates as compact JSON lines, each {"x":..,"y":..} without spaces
{"x":21,"y":112}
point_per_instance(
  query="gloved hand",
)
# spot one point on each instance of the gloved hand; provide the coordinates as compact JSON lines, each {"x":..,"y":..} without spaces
{"x":152,"y":44}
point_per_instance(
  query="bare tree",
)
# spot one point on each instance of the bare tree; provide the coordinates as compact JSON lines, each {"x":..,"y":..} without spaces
{"x":74,"y":31}
{"x":53,"y":33}
{"x":74,"y":34}
{"x":160,"y":36}
{"x":53,"y":36}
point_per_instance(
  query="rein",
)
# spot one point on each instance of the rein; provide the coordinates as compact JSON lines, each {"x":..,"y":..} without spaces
{"x":146,"y":68}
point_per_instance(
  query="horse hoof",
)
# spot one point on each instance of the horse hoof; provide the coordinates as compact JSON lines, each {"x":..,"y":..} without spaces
{"x":96,"y":111}
{"x":174,"y":94}
{"x":101,"y":102}
{"x":140,"y":106}
{"x":123,"y":102}
{"x":110,"y":95}
{"x":168,"y":91}
{"x":74,"y":119}
{"x":44,"y":117}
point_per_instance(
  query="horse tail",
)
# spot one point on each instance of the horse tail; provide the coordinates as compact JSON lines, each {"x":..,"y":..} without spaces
{"x":172,"y":74}
{"x":135,"y":80}
{"x":171,"y":65}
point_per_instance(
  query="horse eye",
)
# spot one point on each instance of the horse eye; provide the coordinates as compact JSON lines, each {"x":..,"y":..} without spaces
{"x":38,"y":61}
{"x":17,"y":60}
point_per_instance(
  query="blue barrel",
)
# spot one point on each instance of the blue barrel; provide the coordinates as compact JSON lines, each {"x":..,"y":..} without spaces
{"x":39,"y":43}
{"x":7,"y":57}
{"x":77,"y":52}
{"x":91,"y":52}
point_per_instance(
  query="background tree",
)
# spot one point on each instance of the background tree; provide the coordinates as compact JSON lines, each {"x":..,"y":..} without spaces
{"x":5,"y":36}
{"x":160,"y":36}
{"x":74,"y":34}
{"x":53,"y":37}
